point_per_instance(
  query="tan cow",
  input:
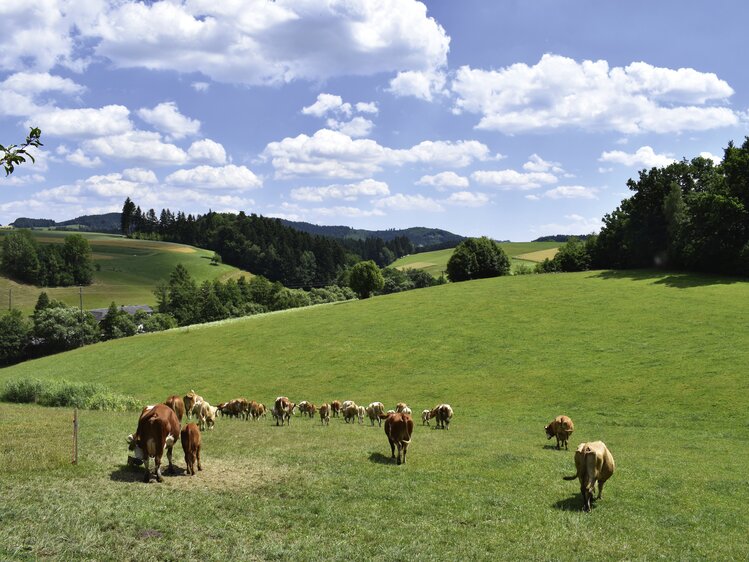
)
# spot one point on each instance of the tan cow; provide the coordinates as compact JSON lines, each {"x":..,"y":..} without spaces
{"x":399,"y":428}
{"x":257,"y":410}
{"x":374,"y":411}
{"x":158,"y":428}
{"x":325,"y":414}
{"x":335,"y":408}
{"x":443,"y":414}
{"x":190,"y":437}
{"x":425,"y":415}
{"x":283,"y":409}
{"x":361,"y":411}
{"x":561,"y":428}
{"x":178,"y":405}
{"x":307,"y":408}
{"x":350,"y":411}
{"x":191,"y":399}
{"x":594,"y":463}
{"x":206,"y":415}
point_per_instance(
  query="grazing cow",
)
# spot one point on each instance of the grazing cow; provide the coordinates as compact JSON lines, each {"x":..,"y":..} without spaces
{"x":374,"y":410}
{"x":190,"y":437}
{"x":561,"y":428}
{"x":335,"y":407}
{"x":389,"y":412}
{"x":306,"y":408}
{"x":256,"y":410}
{"x":443,"y":413}
{"x":398,"y":428}
{"x":158,"y":428}
{"x":262,"y":408}
{"x":425,"y":415}
{"x":283,"y":409}
{"x":206,"y":416}
{"x":190,"y":400}
{"x":325,"y":414}
{"x":594,"y":463}
{"x":346,"y":404}
{"x":350,"y":412}
{"x":361,"y":411}
{"x":178,"y":405}
{"x":222,"y":407}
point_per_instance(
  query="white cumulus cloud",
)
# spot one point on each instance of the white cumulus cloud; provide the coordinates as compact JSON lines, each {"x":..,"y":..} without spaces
{"x":444,"y":180}
{"x":467,"y":199}
{"x":403,"y":202}
{"x":207,"y":151}
{"x":348,"y":192}
{"x":512,"y":179}
{"x":166,"y":118}
{"x":209,"y":177}
{"x":425,"y":85}
{"x":85,"y":122}
{"x":572,"y":192}
{"x":644,"y":157}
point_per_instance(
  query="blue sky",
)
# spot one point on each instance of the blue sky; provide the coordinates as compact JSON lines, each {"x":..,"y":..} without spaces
{"x":511,"y":119}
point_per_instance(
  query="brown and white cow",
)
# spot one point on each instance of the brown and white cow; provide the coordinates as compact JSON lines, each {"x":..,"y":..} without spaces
{"x":374,"y":411}
{"x":325,"y":414}
{"x":399,"y":427}
{"x":594,"y":463}
{"x":561,"y":428}
{"x":350,"y":411}
{"x":283,"y":409}
{"x":206,"y":415}
{"x":402,"y":408}
{"x":158,"y":428}
{"x":335,"y":408}
{"x":443,"y":413}
{"x":190,"y":437}
{"x":256,"y":410}
{"x":190,"y":400}
{"x":306,"y":408}
{"x":178,"y":405}
{"x":425,"y":415}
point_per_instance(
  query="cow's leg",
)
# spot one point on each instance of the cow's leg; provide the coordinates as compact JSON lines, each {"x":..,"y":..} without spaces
{"x":392,"y":448}
{"x":169,"y":458}
{"x":197,"y":454}
{"x":558,"y":447}
{"x":146,"y":465}
{"x":405,"y":450}
{"x":157,"y":462}
{"x":600,"y":489}
{"x":399,"y":453}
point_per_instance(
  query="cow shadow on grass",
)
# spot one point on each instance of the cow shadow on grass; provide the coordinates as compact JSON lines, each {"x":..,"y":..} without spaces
{"x":128,"y":473}
{"x":573,"y":503}
{"x":554,"y":447}
{"x":379,"y":458}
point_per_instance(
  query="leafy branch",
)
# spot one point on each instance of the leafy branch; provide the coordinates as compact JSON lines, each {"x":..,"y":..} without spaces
{"x":13,"y":155}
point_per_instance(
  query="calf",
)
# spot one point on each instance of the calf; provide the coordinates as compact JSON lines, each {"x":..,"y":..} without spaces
{"x":594,"y":463}
{"x":374,"y":411}
{"x":335,"y":407}
{"x":190,"y":437}
{"x":561,"y":428}
{"x":325,"y":414}
{"x":158,"y":428}
{"x":425,"y":415}
{"x":178,"y":405}
{"x":190,"y":400}
{"x":398,"y":428}
{"x":206,"y":416}
{"x":443,"y":413}
{"x":361,"y":411}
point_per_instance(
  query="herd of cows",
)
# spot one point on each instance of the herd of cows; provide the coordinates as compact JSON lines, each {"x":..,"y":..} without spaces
{"x":160,"y":424}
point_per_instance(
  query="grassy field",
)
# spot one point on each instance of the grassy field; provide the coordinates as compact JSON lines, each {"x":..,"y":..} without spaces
{"x":128,"y":271}
{"x":519,"y":253}
{"x":653,"y":364}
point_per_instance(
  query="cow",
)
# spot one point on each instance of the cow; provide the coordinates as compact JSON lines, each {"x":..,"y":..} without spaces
{"x":443,"y":413}
{"x":335,"y":407}
{"x":325,"y":414}
{"x":283,"y":409}
{"x":206,"y":416}
{"x":374,"y":410}
{"x":178,"y":405}
{"x":361,"y":411}
{"x":221,"y":407}
{"x":350,"y":412}
{"x":190,"y":437}
{"x":306,"y":408}
{"x":402,"y":408}
{"x":346,"y":404}
{"x":190,"y":399}
{"x":425,"y":415}
{"x":594,"y":463}
{"x":262,"y":410}
{"x":256,"y":410}
{"x":158,"y":428}
{"x":398,"y":428}
{"x":561,"y":428}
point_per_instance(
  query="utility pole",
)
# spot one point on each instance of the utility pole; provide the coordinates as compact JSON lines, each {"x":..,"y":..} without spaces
{"x":10,"y":299}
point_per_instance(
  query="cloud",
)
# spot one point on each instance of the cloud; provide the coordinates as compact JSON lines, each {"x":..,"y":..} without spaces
{"x":166,"y":118}
{"x":86,"y":122}
{"x":333,"y":154}
{"x":402,"y":202}
{"x":33,"y":83}
{"x":143,"y":146}
{"x":327,"y":103}
{"x":467,"y":199}
{"x":444,"y":180}
{"x":512,"y":179}
{"x":537,"y":164}
{"x":349,"y":192}
{"x":79,"y":158}
{"x":576,"y":224}
{"x":207,"y":151}
{"x":200,"y":86}
{"x":419,"y":84}
{"x":357,"y":127}
{"x":710,"y":156}
{"x":560,"y":92}
{"x":572,"y":192}
{"x":262,"y":42}
{"x":367,"y":107}
{"x":295,"y":212}
{"x":140,"y":175}
{"x":209,"y":177}
{"x":644,"y":157}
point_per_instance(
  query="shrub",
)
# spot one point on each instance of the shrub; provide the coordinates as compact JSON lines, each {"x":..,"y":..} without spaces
{"x":477,"y":258}
{"x":22,"y":391}
{"x":62,"y":393}
{"x":524,"y":269}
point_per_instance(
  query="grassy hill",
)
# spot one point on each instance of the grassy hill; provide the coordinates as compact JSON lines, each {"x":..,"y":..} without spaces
{"x":128,"y":271}
{"x":653,"y":364}
{"x":435,"y":262}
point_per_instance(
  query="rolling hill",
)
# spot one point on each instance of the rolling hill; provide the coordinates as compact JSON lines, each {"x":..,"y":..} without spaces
{"x":650,"y":362}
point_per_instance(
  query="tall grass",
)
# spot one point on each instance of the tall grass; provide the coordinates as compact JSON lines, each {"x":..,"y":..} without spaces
{"x":62,"y":393}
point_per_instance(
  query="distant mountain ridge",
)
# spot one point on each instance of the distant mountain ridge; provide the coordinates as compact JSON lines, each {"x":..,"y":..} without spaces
{"x":420,"y":236}
{"x":109,"y":222}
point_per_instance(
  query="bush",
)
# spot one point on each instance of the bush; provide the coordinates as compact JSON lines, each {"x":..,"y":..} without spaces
{"x":22,"y":391}
{"x":477,"y":258}
{"x":524,"y":269}
{"x":62,"y":393}
{"x":366,"y":279}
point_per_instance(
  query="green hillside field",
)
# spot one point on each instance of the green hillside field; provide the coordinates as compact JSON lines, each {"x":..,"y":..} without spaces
{"x":436,"y":262}
{"x":128,"y":271}
{"x":654,"y":364}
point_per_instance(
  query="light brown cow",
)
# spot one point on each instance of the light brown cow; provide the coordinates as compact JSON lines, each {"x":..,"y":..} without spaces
{"x":374,"y":411}
{"x":594,"y":463}
{"x":256,"y":410}
{"x":178,"y":405}
{"x":283,"y":409}
{"x":307,"y":408}
{"x":325,"y":414}
{"x":425,"y":415}
{"x":443,"y":413}
{"x":206,"y":415}
{"x":335,"y":407}
{"x":158,"y":428}
{"x":561,"y":428}
{"x":350,"y":412}
{"x":190,"y":437}
{"x":191,"y":399}
{"x":398,"y":428}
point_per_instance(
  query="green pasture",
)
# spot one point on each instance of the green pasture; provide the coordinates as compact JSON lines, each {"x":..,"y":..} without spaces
{"x":654,"y":364}
{"x":128,"y":271}
{"x":436,"y":262}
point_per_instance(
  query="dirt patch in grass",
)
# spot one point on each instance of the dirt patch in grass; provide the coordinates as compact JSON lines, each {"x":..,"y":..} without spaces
{"x":416,"y":265}
{"x":539,"y":256}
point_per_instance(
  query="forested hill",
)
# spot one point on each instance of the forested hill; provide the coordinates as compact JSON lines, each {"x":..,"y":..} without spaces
{"x":109,"y":222}
{"x":418,"y":235}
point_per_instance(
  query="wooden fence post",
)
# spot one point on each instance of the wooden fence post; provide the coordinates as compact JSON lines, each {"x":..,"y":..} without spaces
{"x":75,"y":436}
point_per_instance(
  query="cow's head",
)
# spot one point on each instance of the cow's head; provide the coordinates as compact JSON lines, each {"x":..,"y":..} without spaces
{"x":549,"y":431}
{"x":132,"y":445}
